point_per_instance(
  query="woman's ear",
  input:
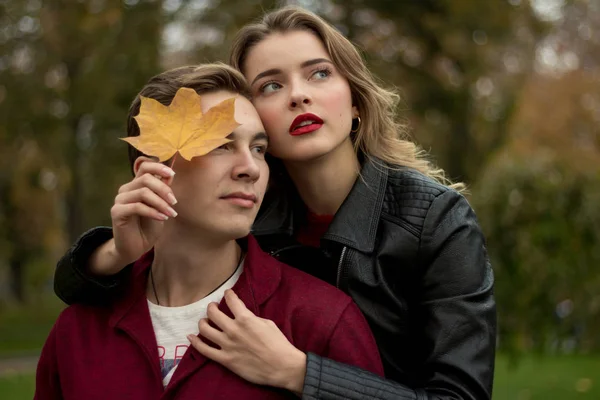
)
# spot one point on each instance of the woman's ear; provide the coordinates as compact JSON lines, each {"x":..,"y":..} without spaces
{"x":138,"y":162}
{"x":355,"y":113}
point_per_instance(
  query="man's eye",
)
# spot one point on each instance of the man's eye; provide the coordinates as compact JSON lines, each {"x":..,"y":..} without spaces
{"x":260,"y":149}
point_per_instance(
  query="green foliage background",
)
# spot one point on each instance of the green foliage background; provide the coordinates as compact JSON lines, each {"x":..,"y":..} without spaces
{"x":503,"y":93}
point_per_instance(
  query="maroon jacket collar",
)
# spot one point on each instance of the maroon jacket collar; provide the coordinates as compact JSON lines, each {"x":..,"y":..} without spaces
{"x":259,"y":280}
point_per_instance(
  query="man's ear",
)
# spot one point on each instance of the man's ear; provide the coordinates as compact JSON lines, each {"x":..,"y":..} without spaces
{"x":138,"y":163}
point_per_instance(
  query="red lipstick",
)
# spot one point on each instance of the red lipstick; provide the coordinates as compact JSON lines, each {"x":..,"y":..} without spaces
{"x":304,"y":124}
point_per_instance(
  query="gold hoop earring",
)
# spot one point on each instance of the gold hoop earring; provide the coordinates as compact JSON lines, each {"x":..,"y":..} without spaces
{"x":357,"y":126}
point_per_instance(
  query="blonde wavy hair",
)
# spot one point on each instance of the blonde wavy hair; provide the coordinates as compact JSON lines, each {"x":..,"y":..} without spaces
{"x":379,"y":134}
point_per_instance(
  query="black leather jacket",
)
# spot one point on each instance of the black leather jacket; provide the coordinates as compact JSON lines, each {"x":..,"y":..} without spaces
{"x":410,"y":252}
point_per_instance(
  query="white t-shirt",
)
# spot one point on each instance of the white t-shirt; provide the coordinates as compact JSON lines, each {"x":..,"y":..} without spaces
{"x":173,"y":324}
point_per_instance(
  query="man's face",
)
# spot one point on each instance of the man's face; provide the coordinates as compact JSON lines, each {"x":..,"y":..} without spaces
{"x":221,"y":192}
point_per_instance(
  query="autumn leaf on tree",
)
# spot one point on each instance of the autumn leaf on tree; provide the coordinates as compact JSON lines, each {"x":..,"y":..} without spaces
{"x":182,"y":127}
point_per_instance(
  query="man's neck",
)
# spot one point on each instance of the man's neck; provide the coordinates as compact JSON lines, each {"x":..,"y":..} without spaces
{"x":324,"y":183}
{"x":188,"y":266}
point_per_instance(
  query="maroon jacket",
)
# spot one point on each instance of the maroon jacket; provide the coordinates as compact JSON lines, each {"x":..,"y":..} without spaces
{"x":111,"y":352}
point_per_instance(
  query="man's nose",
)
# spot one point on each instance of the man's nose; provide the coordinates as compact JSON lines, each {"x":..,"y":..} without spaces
{"x":246,"y":167}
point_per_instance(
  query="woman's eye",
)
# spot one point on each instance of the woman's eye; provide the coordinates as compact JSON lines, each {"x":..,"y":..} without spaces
{"x":270,"y":87}
{"x":322,"y":74}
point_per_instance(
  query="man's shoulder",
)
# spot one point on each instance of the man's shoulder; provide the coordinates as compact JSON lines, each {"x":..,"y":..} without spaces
{"x":274,"y":278}
{"x":310,"y":294}
{"x":310,"y":283}
{"x":82,"y":317}
{"x":307,"y":309}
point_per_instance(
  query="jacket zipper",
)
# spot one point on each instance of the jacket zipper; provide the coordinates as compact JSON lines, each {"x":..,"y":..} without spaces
{"x":275,"y":253}
{"x":339,"y":271}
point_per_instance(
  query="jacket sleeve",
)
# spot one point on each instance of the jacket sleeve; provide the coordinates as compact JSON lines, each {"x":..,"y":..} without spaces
{"x":457,"y":314}
{"x":72,"y":284}
{"x":353,"y":347}
{"x":47,"y":381}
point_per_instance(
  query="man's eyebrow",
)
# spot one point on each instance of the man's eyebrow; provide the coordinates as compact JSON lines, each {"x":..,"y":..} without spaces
{"x":261,"y":136}
{"x":257,"y":136}
{"x":275,"y":71}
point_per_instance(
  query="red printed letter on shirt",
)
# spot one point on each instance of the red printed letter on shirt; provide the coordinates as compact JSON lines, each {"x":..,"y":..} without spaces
{"x":179,"y":352}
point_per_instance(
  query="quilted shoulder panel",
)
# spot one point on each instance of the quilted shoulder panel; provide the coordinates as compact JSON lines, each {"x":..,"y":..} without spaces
{"x":408,"y":196}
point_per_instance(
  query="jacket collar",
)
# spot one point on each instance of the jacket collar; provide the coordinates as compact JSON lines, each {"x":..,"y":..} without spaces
{"x":355,"y":224}
{"x":259,"y":280}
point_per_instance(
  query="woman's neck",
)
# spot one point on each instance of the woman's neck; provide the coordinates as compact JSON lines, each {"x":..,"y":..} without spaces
{"x":187,"y":266}
{"x":325,"y":182}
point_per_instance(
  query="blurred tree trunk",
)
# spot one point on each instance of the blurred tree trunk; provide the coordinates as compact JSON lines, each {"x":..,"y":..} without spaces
{"x":69,"y":73}
{"x":16,"y":277}
{"x":73,"y":196}
{"x":15,"y":257}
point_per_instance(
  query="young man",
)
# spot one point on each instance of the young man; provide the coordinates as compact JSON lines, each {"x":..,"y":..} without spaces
{"x":189,"y":252}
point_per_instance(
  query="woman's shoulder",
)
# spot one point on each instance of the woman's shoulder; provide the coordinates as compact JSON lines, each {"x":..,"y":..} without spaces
{"x":408,"y":180}
{"x":412,"y":196}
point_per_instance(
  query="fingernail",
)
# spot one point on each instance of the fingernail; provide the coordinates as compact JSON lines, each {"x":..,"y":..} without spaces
{"x":169,"y":171}
{"x":172,"y":212}
{"x":172,"y":199}
{"x":164,"y":217}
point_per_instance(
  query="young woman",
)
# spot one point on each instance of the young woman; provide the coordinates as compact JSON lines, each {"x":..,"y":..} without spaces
{"x":353,"y":202}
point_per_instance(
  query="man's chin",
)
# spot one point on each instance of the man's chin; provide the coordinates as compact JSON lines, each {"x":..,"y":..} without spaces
{"x":238,"y":232}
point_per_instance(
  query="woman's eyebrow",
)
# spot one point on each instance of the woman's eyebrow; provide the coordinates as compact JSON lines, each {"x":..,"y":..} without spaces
{"x":314,"y":61}
{"x":275,"y":71}
{"x":269,"y":72}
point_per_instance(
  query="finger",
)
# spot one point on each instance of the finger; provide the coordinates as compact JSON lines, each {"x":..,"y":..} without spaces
{"x":121,"y":212}
{"x":148,"y":197}
{"x":212,"y":334}
{"x":206,"y":350}
{"x":169,"y":181}
{"x":219,"y":318}
{"x":153,"y":183}
{"x":237,"y":306}
{"x":155,"y":168}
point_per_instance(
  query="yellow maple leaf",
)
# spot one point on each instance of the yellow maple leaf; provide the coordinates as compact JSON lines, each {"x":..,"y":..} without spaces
{"x":182,"y":127}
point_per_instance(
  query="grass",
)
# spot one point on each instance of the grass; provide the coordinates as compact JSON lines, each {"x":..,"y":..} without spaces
{"x":547,"y":378}
{"x":24,"y":329}
{"x":17,"y":387}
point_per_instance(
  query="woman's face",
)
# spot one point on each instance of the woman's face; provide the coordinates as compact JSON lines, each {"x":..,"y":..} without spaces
{"x":303,"y":101}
